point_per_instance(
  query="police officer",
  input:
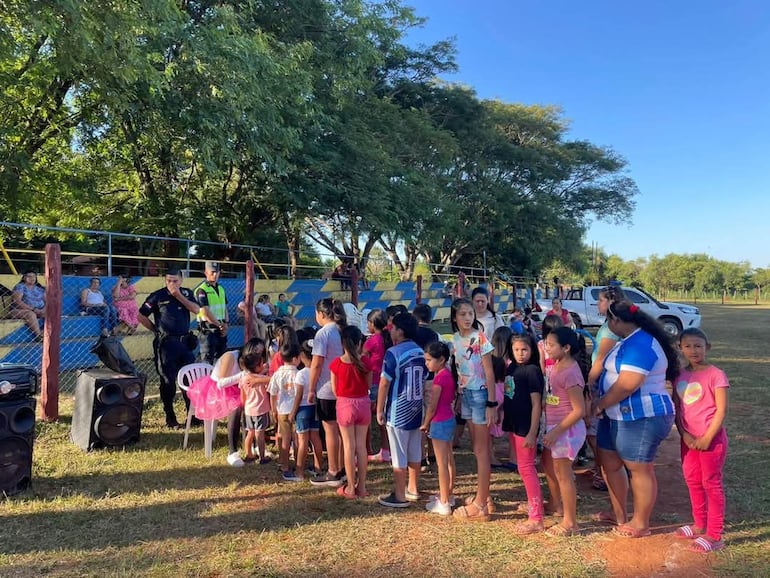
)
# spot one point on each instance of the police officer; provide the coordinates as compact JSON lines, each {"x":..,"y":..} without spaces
{"x":172,"y":346}
{"x":213,"y":316}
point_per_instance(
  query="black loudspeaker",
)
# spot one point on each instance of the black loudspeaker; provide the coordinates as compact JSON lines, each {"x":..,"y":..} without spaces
{"x":17,"y":430}
{"x":108,"y":409}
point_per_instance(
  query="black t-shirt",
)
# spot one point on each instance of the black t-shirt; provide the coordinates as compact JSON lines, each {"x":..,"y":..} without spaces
{"x":425,"y":335}
{"x":171,"y":317}
{"x":521,"y":382}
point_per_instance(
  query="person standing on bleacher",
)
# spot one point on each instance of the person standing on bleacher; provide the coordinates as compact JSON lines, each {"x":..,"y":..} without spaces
{"x":213,"y":316}
{"x":173,"y":344}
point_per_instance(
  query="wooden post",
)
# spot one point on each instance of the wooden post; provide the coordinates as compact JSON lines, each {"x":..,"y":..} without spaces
{"x":49,"y":390}
{"x":461,"y":284}
{"x":248,"y":317}
{"x":354,"y":285}
{"x":491,"y":291}
{"x":418,"y":298}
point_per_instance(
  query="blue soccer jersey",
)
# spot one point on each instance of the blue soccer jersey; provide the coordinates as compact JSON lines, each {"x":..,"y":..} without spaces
{"x":404,"y":368}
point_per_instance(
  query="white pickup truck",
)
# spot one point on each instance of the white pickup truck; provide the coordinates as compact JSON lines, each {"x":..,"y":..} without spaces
{"x":581,"y":302}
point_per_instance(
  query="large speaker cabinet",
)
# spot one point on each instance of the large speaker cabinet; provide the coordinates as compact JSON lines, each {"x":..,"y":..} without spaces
{"x":17,"y":431}
{"x":108,"y":409}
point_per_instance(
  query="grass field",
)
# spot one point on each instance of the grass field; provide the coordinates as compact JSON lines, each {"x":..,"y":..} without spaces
{"x":154,"y":509}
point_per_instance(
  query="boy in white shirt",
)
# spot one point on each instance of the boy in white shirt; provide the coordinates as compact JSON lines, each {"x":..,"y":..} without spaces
{"x":283,"y":397}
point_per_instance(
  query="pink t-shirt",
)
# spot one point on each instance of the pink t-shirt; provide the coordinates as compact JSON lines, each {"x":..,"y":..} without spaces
{"x":375,"y":346}
{"x":257,"y":399}
{"x":557,"y":403}
{"x":697,"y":397}
{"x":444,"y":409}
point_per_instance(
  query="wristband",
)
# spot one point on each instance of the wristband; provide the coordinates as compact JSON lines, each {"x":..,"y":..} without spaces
{"x":492,"y":403}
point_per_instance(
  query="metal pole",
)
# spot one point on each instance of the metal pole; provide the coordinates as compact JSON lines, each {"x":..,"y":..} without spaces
{"x":188,"y":258}
{"x":109,"y":255}
{"x":485,"y":265}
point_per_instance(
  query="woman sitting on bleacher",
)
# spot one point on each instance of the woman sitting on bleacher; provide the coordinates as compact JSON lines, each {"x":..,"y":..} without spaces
{"x":92,"y":302}
{"x":29,"y":302}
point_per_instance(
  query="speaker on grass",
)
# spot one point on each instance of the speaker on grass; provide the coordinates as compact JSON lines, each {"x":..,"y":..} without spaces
{"x":17,"y":430}
{"x":108,"y":409}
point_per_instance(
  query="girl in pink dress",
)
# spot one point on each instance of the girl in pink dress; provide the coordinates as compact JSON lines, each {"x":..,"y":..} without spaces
{"x":124,"y":300}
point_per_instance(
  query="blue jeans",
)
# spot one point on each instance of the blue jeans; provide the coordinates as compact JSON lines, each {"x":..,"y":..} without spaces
{"x":634,"y":441}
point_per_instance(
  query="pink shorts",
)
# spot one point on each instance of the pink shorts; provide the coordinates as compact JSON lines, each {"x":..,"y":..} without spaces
{"x":354,"y":411}
{"x":569,"y":443}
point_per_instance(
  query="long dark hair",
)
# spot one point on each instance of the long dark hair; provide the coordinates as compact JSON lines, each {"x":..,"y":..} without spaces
{"x":630,"y":313}
{"x":333,"y":309}
{"x":485,"y":292}
{"x":534,"y":357}
{"x":577,"y":347}
{"x":352,"y":338}
{"x":456,"y":304}
{"x":439,"y":349}
{"x":252,"y":354}
{"x":501,"y":339}
{"x":377,"y":318}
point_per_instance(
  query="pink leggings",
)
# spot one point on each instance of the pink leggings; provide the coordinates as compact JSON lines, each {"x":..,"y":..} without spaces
{"x":703,"y":473}
{"x":525,"y":459}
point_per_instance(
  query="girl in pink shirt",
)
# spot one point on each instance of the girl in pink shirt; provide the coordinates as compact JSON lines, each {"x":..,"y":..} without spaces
{"x":374,"y":354}
{"x":439,"y":423}
{"x":700,"y":396}
{"x":565,"y":428}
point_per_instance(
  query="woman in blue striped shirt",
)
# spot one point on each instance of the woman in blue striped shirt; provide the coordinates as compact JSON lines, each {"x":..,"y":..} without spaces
{"x":637,"y":413}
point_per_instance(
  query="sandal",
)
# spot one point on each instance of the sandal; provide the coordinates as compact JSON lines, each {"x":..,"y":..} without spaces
{"x":341,"y":492}
{"x":464,"y":513}
{"x":626,"y":531}
{"x":703,"y":545}
{"x":559,"y":531}
{"x":491,"y":508}
{"x":521,"y":507}
{"x":604,"y":517}
{"x":528,"y":527}
{"x":688,"y":532}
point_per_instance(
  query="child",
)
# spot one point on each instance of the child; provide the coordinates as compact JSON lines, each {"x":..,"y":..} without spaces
{"x":303,"y":414}
{"x":701,"y":404}
{"x":283,"y":398}
{"x":500,"y":360}
{"x":472,"y":363}
{"x":399,"y":405}
{"x":256,"y":402}
{"x":522,"y":409}
{"x":374,"y":354}
{"x":439,"y":423}
{"x":350,"y":384}
{"x":565,"y":428}
{"x":550,"y":323}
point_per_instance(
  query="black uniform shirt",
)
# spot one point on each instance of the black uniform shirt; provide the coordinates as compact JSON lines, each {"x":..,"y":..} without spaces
{"x":171,"y":317}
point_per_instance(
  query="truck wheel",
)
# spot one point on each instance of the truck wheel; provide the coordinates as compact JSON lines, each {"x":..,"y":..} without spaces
{"x":576,"y":321}
{"x":671,"y":325}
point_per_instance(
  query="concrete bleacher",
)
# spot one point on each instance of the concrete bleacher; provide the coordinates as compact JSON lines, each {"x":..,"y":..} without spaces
{"x":80,"y":333}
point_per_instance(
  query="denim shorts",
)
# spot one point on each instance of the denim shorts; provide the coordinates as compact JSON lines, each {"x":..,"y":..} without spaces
{"x":305,"y":419}
{"x":442,"y":431}
{"x":634,"y":441}
{"x":474,"y":405}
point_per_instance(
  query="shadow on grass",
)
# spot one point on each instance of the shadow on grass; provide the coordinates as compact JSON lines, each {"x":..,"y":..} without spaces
{"x":96,"y":528}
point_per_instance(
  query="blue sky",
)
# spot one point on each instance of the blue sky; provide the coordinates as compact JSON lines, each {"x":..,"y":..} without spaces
{"x":680,"y":88}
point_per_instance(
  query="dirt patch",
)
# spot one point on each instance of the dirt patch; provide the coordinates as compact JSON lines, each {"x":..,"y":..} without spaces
{"x":660,"y":554}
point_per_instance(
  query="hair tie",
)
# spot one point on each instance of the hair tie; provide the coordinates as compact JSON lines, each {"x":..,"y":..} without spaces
{"x":633,"y":309}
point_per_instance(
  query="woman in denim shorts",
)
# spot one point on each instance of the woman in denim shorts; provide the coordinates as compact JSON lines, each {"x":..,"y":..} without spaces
{"x":636,"y":411}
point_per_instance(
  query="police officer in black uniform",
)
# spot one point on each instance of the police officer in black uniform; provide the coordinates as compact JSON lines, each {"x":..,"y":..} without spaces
{"x":172,"y":346}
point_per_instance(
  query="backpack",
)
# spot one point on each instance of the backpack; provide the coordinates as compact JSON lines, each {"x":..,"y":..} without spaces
{"x":113,"y":355}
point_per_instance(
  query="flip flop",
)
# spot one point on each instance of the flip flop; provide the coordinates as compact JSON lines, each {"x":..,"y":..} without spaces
{"x":341,"y":492}
{"x":626,"y":531}
{"x":705,"y":546}
{"x":528,"y":527}
{"x":687,"y":533}
{"x":559,"y":531}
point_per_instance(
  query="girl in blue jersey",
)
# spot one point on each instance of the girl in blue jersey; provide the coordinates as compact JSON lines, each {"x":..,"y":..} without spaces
{"x":472,"y":365}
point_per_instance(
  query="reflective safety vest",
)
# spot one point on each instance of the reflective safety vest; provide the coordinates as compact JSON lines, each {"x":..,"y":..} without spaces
{"x":217,"y":301}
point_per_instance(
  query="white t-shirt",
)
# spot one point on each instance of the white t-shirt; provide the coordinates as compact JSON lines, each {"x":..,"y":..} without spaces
{"x":490,"y":323}
{"x":282,"y":385}
{"x":303,"y":379}
{"x":328,"y":344}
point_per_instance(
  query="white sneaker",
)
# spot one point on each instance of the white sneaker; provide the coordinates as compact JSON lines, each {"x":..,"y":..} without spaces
{"x":435,"y":498}
{"x":439,"y":507}
{"x":234,"y":459}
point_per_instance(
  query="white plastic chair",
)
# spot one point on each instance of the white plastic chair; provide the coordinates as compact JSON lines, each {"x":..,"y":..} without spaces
{"x":187,"y":375}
